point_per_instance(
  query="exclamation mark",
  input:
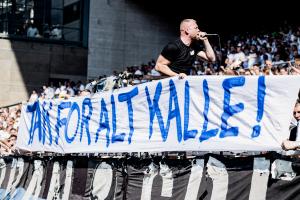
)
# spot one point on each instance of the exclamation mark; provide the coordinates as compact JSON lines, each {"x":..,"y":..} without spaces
{"x":261,"y":93}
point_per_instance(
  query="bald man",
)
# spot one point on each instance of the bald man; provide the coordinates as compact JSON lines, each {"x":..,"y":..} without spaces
{"x":177,"y":57}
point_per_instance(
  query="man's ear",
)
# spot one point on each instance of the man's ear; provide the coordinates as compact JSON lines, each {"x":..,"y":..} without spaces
{"x":187,"y":30}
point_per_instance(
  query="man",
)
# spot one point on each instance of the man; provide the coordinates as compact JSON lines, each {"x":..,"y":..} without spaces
{"x":296,"y":66}
{"x":293,"y":143}
{"x":177,"y":58}
{"x":238,"y":58}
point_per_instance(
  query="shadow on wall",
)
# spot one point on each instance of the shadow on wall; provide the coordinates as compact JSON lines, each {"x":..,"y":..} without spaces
{"x":27,"y":66}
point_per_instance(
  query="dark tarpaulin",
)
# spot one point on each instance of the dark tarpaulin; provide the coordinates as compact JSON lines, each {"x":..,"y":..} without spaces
{"x":206,"y":177}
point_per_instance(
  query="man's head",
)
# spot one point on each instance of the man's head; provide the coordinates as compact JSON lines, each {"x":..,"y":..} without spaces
{"x":282,"y":70}
{"x":239,"y":47}
{"x":268,"y":64}
{"x":297,"y":61}
{"x":296,"y":112}
{"x":189,"y":27}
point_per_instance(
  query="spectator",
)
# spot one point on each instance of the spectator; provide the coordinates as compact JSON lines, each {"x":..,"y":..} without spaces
{"x":293,"y":143}
{"x":239,"y":57}
{"x":296,"y":67}
{"x":277,"y":60}
{"x":34,"y":96}
{"x":154,"y":72}
{"x":8,"y":146}
{"x":32,"y":31}
{"x":48,"y":92}
{"x":267,"y":70}
{"x":230,"y":56}
{"x":56,"y":32}
{"x":283,"y":70}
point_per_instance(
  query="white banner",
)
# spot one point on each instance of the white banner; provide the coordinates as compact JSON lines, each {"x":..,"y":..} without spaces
{"x":201,"y":113}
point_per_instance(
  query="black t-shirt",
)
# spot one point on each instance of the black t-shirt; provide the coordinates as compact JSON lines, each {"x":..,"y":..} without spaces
{"x":181,"y":56}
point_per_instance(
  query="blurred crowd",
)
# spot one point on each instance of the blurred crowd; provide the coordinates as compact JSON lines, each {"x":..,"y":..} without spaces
{"x":9,"y":124}
{"x":30,"y":29}
{"x":274,"y":53}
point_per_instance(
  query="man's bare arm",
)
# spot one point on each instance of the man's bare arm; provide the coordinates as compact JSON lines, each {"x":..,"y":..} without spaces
{"x":162,"y":66}
{"x":209,"y":53}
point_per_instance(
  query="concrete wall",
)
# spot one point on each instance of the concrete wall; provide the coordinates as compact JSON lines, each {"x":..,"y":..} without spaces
{"x":123,"y":33}
{"x":25,"y":66}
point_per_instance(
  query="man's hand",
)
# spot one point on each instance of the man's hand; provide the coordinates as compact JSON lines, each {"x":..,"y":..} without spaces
{"x":290,"y":145}
{"x":201,"y":36}
{"x":182,"y":75}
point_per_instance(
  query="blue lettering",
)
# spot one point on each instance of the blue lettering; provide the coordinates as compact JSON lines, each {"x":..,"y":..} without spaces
{"x":174,"y":113}
{"x":73,"y":108}
{"x":46,"y":122}
{"x":35,"y":121}
{"x":230,"y":110}
{"x":63,"y":121}
{"x":86,"y":118}
{"x":127,"y":97}
{"x":187,"y":133}
{"x":205,"y":135}
{"x":104,"y":122}
{"x":154,"y":108}
{"x":261,"y":93}
{"x":115,"y":137}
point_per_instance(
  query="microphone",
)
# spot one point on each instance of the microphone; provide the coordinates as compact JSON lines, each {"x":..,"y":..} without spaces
{"x":211,"y":34}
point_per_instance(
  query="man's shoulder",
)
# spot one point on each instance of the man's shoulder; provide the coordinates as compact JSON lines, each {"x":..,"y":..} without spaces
{"x":172,"y":46}
{"x":175,"y":43}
